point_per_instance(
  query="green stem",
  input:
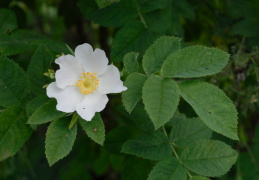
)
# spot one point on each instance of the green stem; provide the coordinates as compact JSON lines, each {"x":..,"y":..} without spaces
{"x":175,"y":153}
{"x":73,"y":120}
{"x":141,"y":16}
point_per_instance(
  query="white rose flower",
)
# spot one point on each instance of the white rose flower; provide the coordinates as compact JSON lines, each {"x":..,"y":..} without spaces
{"x":83,"y":81}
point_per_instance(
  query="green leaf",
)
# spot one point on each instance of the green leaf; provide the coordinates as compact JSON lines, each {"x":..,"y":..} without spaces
{"x":7,"y":21}
{"x":170,"y":169}
{"x":161,"y":97}
{"x":46,"y":113}
{"x":194,"y":61}
{"x":211,"y":104}
{"x":130,"y":61}
{"x":13,"y":131}
{"x":199,"y":178}
{"x":94,"y":128}
{"x":39,"y":64}
{"x":14,"y":84}
{"x":187,"y":131}
{"x":59,"y":140}
{"x":132,"y":37}
{"x":209,"y":157}
{"x":104,"y":3}
{"x":152,"y":145}
{"x":114,"y":15}
{"x":136,"y":168}
{"x":140,"y":117}
{"x":131,"y":97}
{"x":157,"y":53}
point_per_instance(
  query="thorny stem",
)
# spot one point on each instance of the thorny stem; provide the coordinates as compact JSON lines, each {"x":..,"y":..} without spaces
{"x":175,"y":153}
{"x":140,"y":15}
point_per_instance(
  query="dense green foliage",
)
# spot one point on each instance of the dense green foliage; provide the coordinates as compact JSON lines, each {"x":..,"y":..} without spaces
{"x":192,"y":105}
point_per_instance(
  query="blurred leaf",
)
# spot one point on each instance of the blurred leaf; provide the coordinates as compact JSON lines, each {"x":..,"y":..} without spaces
{"x":13,"y":131}
{"x":7,"y":21}
{"x":116,"y":137}
{"x":34,"y":104}
{"x":104,"y":3}
{"x":46,"y":113}
{"x":184,"y":9}
{"x":130,"y":62}
{"x":187,"y":131}
{"x":140,"y":117}
{"x":148,"y":6}
{"x":39,"y":64}
{"x":153,"y":145}
{"x":159,"y":21}
{"x":209,"y":157}
{"x":170,"y":169}
{"x":94,"y":128}
{"x":157,"y":53}
{"x":160,"y":97}
{"x":247,"y":168}
{"x":131,"y":37}
{"x":101,"y":163}
{"x":194,"y":61}
{"x":199,"y":178}
{"x":135,"y":168}
{"x":59,"y":140}
{"x":211,"y":104}
{"x":247,"y":27}
{"x":14,"y":84}
{"x":114,"y":15}
{"x":10,"y":46}
{"x":131,"y":97}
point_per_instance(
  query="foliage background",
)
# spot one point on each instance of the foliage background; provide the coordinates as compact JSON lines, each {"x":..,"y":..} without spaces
{"x":230,"y":25}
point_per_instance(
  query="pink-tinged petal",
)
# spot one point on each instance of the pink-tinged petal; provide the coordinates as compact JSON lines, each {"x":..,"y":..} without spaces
{"x":110,"y":82}
{"x":67,"y":98}
{"x":69,"y":71}
{"x":91,"y":104}
{"x":91,"y":61}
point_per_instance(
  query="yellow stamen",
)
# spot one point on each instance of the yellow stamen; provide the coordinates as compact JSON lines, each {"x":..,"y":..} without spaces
{"x":87,"y":83}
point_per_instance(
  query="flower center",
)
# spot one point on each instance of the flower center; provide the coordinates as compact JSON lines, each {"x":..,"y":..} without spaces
{"x":87,"y":83}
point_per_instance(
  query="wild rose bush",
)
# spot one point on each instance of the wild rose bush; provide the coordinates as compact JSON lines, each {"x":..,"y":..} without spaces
{"x":157,"y":74}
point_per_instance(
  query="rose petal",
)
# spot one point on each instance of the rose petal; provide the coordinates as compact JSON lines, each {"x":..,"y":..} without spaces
{"x":110,"y":81}
{"x":91,"y":61}
{"x":67,"y":98}
{"x":69,"y":71}
{"x":91,"y":104}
